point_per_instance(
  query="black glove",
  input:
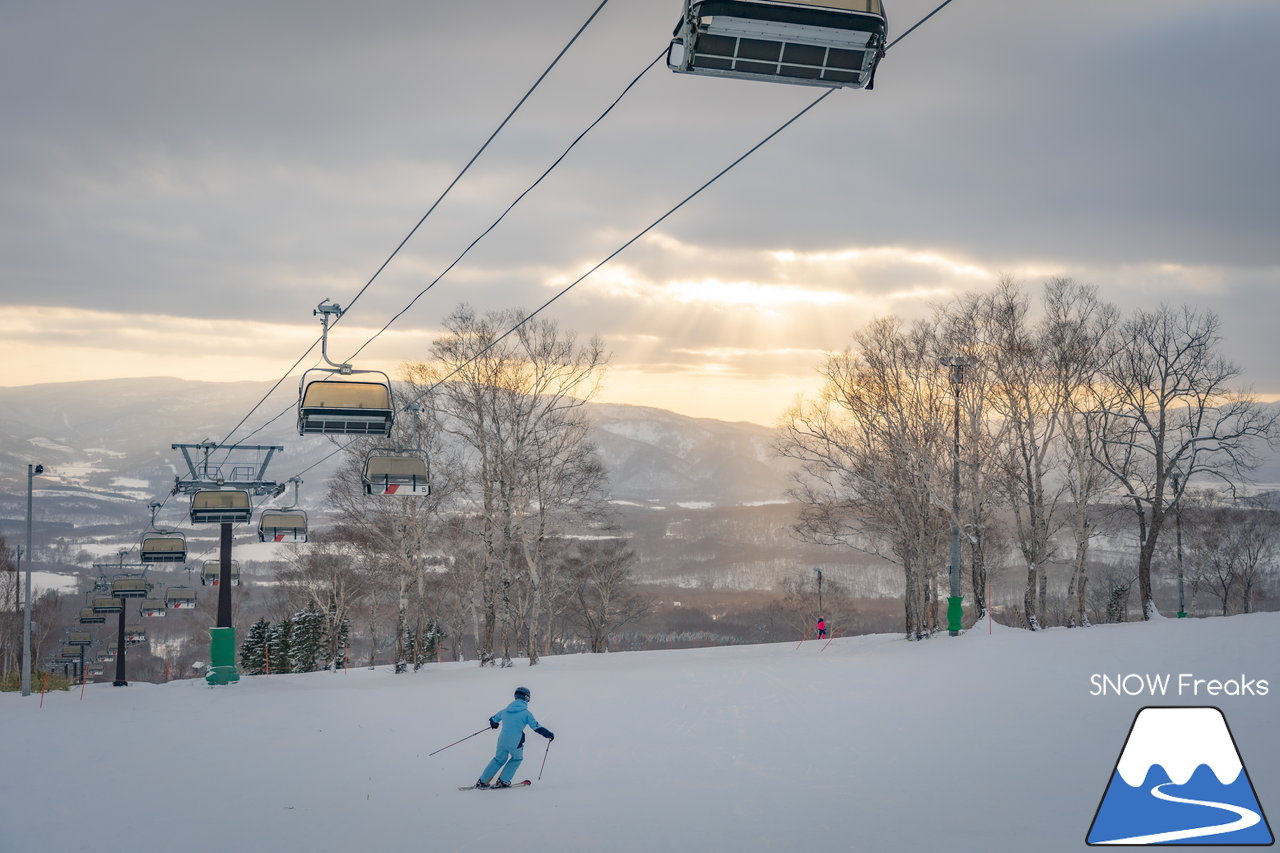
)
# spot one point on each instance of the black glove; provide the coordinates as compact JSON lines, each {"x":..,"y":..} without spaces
{"x":493,"y":724}
{"x":546,"y":733}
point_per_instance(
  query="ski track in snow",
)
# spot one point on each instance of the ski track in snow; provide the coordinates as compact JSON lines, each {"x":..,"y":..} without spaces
{"x":1246,"y":818}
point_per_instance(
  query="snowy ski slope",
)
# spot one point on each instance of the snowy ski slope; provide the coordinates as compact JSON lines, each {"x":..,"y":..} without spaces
{"x":978,"y":743}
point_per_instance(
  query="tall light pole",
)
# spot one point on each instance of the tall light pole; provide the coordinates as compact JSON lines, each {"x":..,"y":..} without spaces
{"x":32,"y":471}
{"x":819,"y":571}
{"x":955,"y":604}
{"x":1177,"y":521}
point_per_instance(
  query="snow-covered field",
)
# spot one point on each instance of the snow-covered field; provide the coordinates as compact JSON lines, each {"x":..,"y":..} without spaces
{"x":978,"y":743}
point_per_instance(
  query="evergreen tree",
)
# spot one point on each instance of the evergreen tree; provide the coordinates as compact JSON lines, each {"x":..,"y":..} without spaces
{"x":431,"y":641}
{"x":253,"y":651}
{"x":306,"y":640}
{"x":279,"y":641}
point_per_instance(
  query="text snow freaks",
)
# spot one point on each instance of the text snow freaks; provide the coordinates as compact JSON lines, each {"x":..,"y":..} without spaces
{"x":1167,"y":684}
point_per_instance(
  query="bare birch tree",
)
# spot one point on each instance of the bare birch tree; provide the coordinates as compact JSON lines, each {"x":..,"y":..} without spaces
{"x":1077,"y":324}
{"x":513,"y":399}
{"x":602,"y":594}
{"x":1165,"y":413}
{"x":1025,"y":398}
{"x":872,"y":453}
{"x":396,"y":530}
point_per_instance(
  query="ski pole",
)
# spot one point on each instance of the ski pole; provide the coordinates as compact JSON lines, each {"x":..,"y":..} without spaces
{"x":544,"y":761}
{"x":456,"y":742}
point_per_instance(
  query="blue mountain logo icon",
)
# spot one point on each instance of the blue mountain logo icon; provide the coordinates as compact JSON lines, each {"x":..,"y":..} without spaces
{"x":1180,"y":780}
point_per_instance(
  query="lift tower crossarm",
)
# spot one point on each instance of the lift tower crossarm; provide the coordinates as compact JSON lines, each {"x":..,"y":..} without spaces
{"x":201,"y":475}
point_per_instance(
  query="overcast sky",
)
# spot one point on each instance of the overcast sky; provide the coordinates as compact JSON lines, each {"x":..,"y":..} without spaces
{"x":183,"y":182}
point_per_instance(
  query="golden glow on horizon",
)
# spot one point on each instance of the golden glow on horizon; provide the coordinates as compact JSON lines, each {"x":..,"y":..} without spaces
{"x":722,"y":332}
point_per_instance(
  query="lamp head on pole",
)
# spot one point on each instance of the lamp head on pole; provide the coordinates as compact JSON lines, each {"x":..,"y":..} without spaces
{"x":39,"y":469}
{"x":957,"y":363}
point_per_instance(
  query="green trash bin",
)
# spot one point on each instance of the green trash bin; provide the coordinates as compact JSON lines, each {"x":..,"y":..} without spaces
{"x":222,"y":656}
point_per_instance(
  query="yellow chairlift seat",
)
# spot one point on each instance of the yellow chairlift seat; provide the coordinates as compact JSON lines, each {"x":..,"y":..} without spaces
{"x":218,"y":506}
{"x":151,"y":607}
{"x":107,"y":604}
{"x":211,"y":572}
{"x":337,"y":407}
{"x":163,"y":548}
{"x":180,"y":598}
{"x":831,"y":43}
{"x":88,"y":616}
{"x":396,"y":472}
{"x":129,"y":587}
{"x":282,"y":525}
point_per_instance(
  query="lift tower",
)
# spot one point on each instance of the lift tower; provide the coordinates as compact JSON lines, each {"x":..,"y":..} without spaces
{"x":221,"y":494}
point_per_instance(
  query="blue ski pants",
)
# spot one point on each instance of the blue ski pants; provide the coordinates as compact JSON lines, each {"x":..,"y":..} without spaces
{"x":511,"y":758}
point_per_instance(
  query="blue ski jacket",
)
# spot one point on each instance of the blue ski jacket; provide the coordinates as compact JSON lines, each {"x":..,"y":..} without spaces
{"x":513,"y":719}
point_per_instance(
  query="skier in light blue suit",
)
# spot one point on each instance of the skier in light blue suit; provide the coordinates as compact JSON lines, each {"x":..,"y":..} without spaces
{"x":510,"y":750}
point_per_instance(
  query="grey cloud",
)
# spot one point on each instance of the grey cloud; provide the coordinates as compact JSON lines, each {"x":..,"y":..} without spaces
{"x":247,"y":160}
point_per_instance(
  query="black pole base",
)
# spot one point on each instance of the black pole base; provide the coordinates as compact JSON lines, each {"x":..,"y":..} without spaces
{"x":119,"y":684}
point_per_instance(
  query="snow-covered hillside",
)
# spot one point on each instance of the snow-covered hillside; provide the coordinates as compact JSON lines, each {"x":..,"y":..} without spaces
{"x":987,"y":742}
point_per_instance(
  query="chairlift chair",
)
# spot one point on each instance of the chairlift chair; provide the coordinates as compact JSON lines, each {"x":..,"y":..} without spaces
{"x":831,"y":43}
{"x":163,"y":548}
{"x":282,"y":525}
{"x":79,"y":638}
{"x":180,"y":598}
{"x":344,"y":407}
{"x":151,"y":607}
{"x":330,"y":406}
{"x":134,"y":634}
{"x":129,"y":587}
{"x":396,"y":472}
{"x":88,"y":616}
{"x":107,"y":604}
{"x":218,"y":506}
{"x":96,"y":671}
{"x":70,"y":653}
{"x":211,"y":572}
{"x":107,"y":655}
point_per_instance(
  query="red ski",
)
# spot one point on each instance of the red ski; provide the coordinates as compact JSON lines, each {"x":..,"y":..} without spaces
{"x":526,"y":783}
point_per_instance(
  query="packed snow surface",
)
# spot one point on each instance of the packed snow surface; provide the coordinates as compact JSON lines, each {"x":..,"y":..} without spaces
{"x":985,"y":742}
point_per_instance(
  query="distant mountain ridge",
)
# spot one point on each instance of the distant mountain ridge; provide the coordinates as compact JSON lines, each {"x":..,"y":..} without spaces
{"x":106,"y":446}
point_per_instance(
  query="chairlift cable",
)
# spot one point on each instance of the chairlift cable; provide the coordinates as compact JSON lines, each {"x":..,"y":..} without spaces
{"x":577,"y":281}
{"x":582,"y":135}
{"x":917,"y":24}
{"x":481,"y":150}
{"x":434,"y":205}
{"x":631,"y":241}
{"x":606,"y":260}
{"x":513,"y":204}
{"x":460,"y":257}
